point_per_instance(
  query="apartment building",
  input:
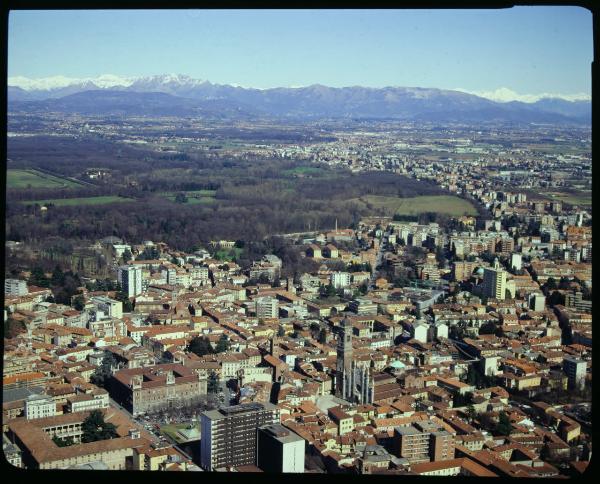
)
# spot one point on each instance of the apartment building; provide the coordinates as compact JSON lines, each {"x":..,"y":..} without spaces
{"x":111,"y":307}
{"x":267,"y":307}
{"x":494,"y":283}
{"x":423,"y":441}
{"x":575,"y":370}
{"x":340,"y":280}
{"x":15,"y":287}
{"x":229,"y":434}
{"x":130,"y":278}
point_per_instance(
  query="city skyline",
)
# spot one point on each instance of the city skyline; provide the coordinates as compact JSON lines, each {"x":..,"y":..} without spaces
{"x":512,"y":54}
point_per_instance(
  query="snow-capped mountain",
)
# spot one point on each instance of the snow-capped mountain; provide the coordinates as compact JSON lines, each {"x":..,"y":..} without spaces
{"x":303,"y":102}
{"x":60,"y":82}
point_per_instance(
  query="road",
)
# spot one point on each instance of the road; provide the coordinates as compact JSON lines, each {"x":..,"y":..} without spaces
{"x":379,"y":259}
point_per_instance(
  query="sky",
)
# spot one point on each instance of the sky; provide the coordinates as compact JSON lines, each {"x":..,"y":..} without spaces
{"x":525,"y":50}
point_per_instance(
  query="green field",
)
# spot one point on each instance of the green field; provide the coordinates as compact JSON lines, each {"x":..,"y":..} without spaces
{"x":194,"y":197}
{"x":80,"y":201}
{"x":447,"y":204}
{"x":36,"y":179}
{"x":303,"y":170}
{"x":583,"y":198}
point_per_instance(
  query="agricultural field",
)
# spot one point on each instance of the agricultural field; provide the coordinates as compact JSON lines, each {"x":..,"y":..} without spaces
{"x":80,"y":201}
{"x":446,"y":204}
{"x":36,"y":179}
{"x":583,"y":198}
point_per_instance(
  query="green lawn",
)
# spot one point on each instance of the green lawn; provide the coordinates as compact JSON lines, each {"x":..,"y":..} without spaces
{"x":228,"y":255}
{"x":80,"y":201}
{"x":36,"y":179}
{"x":447,"y":204}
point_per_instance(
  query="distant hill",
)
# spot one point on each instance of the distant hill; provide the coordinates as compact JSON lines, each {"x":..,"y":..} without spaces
{"x":184,"y":96}
{"x":127,"y":103}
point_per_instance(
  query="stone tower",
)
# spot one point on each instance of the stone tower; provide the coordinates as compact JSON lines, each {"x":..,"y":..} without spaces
{"x":344,"y":371}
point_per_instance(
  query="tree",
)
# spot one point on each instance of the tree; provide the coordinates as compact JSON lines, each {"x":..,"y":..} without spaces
{"x":264,"y":278}
{"x":38,"y":278}
{"x":95,"y":428}
{"x":79,"y":303}
{"x":461,"y":400}
{"x":488,"y":328}
{"x":327,"y":291}
{"x":503,"y":427}
{"x":280,"y":331}
{"x":200,"y":346}
{"x":181,"y":198}
{"x":471,"y":376}
{"x":124,"y":298}
{"x":222,"y":344}
{"x":58,"y":277}
{"x":212,"y":383}
{"x":556,"y":298}
{"x":471,"y":413}
{"x":66,"y":442}
{"x":564,"y":283}
{"x":103,"y":373}
{"x":127,"y":255}
{"x":323,"y":336}
{"x":150,"y":253}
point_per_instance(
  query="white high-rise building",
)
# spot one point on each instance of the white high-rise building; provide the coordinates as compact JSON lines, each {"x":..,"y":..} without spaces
{"x":15,"y":287}
{"x":516,"y":262}
{"x":130,"y":278}
{"x":340,"y":279}
{"x":267,"y":307}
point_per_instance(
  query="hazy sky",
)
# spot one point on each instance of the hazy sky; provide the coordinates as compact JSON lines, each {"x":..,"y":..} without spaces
{"x":526,"y":49}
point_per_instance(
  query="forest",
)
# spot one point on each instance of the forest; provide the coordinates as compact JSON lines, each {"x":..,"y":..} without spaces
{"x":254,"y":197}
{"x":250,"y":198}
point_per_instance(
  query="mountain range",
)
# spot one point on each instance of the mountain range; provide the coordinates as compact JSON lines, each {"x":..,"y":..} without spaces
{"x":178,"y":95}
